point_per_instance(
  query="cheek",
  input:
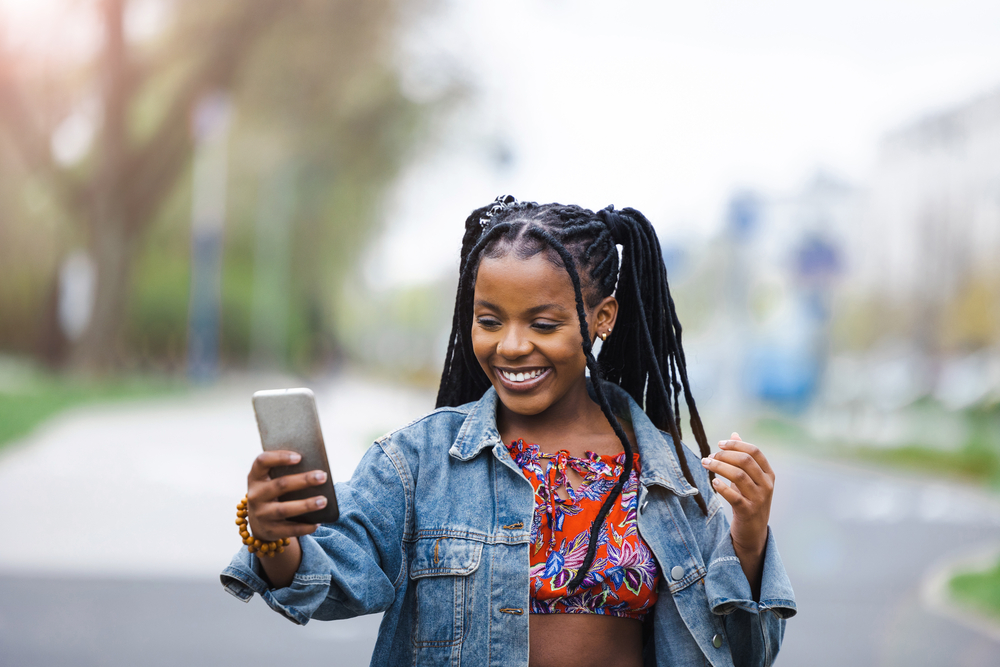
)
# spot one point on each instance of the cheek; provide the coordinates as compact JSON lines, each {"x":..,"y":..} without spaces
{"x":482,"y":345}
{"x":568,"y":354}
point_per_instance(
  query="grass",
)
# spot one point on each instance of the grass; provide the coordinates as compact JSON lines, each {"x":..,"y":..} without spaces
{"x":976,"y":459}
{"x":979,"y":590}
{"x":23,"y":408}
{"x":970,"y":463}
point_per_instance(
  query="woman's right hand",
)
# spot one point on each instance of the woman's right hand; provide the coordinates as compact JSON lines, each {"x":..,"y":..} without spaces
{"x":267,"y":515}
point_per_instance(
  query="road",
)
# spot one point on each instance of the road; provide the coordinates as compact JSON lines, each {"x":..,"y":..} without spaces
{"x":117,"y":521}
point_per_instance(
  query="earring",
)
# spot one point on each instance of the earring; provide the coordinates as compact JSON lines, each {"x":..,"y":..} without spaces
{"x":604,"y":336}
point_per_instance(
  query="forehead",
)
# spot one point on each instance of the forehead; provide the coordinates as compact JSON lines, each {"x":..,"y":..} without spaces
{"x":521,"y":284}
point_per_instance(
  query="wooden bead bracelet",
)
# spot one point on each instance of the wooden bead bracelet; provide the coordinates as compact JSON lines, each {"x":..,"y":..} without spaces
{"x":253,"y":544}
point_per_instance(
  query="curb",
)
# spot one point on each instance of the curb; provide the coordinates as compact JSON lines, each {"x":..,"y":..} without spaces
{"x":936,"y":598}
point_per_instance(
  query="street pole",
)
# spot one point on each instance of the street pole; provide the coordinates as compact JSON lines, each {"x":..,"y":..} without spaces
{"x":212,"y":117}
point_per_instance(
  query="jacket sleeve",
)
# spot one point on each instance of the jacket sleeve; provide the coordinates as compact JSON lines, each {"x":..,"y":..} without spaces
{"x":351,"y":567}
{"x":754,"y":628}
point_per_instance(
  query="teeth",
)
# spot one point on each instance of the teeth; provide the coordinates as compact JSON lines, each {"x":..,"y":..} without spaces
{"x":521,"y":377}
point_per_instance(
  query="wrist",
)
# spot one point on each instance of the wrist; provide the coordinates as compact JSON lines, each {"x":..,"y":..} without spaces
{"x":747,"y":540}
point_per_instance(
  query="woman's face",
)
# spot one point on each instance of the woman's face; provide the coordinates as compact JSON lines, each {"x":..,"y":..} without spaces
{"x":526,"y":333}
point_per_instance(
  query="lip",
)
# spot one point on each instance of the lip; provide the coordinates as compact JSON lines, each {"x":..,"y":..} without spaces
{"x":525,"y":386}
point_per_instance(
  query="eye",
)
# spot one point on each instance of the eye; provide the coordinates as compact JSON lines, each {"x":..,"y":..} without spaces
{"x":488,"y":322}
{"x":545,"y":326}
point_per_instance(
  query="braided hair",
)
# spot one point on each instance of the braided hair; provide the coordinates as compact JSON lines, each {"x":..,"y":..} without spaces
{"x":644,"y":356}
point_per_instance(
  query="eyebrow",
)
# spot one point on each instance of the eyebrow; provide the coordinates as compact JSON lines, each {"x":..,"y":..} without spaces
{"x":531,"y":311}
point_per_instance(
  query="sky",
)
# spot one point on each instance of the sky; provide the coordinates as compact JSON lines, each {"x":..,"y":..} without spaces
{"x":665,"y":106}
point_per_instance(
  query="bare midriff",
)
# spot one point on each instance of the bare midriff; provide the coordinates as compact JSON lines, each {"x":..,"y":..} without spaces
{"x":584,"y":640}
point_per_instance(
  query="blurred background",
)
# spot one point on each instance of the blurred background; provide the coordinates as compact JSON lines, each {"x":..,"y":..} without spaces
{"x":201,"y":199}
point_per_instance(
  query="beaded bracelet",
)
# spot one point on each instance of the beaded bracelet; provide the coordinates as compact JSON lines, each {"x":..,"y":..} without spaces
{"x":253,"y":544}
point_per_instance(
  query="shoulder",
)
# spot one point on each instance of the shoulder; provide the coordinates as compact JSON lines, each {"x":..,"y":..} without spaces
{"x":434,"y":425}
{"x":430,"y":437}
{"x":404,"y":451}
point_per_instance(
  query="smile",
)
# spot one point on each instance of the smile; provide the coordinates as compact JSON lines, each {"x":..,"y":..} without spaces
{"x":521,"y":380}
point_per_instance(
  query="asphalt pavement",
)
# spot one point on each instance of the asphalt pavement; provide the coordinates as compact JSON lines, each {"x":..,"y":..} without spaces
{"x":118,"y":519}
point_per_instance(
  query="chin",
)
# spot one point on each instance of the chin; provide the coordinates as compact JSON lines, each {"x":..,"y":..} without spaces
{"x":522,"y":405}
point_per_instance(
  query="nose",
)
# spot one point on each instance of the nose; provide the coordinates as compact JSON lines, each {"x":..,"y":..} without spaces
{"x":513,"y":343}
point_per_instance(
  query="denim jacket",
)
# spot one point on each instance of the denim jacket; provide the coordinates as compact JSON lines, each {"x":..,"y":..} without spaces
{"x":434,"y":531}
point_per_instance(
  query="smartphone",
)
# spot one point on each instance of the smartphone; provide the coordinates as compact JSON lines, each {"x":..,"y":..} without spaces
{"x":287,"y":419}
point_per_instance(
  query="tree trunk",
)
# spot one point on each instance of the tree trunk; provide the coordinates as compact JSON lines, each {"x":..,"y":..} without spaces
{"x":99,"y":348}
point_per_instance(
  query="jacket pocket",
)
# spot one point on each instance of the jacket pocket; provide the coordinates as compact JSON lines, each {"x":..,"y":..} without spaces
{"x":441,"y":569}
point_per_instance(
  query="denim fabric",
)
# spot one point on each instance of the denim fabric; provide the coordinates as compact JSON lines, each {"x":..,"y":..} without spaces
{"x":434,"y":529}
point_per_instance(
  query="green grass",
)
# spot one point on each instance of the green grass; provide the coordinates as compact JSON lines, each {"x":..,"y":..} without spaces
{"x":979,"y":590}
{"x":24,"y":408}
{"x":970,"y":463}
{"x":976,"y":459}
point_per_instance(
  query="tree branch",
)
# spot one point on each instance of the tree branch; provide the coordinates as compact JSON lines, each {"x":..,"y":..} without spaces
{"x":156,"y":165}
{"x":30,"y":140}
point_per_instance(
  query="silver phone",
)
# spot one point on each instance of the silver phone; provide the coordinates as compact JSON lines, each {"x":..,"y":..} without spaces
{"x":287,"y":419}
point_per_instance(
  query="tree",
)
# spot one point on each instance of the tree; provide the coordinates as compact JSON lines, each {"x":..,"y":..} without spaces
{"x":147,"y":91}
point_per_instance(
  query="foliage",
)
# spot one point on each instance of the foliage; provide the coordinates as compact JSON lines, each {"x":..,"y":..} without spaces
{"x":318,"y":110}
{"x":975,"y":459}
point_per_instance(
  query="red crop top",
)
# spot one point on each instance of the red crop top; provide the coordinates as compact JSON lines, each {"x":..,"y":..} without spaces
{"x":623,"y":579}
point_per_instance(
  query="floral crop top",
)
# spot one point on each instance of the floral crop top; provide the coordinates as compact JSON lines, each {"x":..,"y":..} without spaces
{"x":623,"y":579}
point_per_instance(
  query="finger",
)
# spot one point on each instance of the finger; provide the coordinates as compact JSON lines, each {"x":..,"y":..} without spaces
{"x":277,"y":530}
{"x":745,"y":462}
{"x":279,"y":486}
{"x":734,"y":474}
{"x":290,"y":508}
{"x":734,"y":436}
{"x":266,"y":460}
{"x":299,"y":529}
{"x":730,"y":493}
{"x":752,"y":450}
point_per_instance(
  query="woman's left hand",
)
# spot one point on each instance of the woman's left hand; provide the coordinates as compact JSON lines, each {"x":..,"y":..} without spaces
{"x":750,"y":493}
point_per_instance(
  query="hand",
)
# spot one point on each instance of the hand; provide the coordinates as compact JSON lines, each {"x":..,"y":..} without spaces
{"x":750,"y":496}
{"x":268,"y":516}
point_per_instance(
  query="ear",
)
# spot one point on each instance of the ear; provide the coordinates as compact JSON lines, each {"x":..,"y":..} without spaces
{"x":603,"y":317}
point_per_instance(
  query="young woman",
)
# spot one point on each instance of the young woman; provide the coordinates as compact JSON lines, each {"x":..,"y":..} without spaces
{"x":540,"y":516}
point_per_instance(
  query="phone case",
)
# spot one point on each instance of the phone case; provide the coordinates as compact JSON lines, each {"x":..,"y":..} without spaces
{"x":287,"y":419}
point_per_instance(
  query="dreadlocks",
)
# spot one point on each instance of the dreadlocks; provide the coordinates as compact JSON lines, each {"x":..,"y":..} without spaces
{"x":644,"y":356}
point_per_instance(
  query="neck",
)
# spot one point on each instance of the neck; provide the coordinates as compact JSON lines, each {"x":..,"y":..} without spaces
{"x":575,"y":418}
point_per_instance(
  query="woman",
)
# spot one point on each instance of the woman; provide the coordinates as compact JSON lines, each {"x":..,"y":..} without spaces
{"x":540,"y":517}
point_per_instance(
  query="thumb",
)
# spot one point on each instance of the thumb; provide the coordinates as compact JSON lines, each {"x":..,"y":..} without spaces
{"x":735,"y":436}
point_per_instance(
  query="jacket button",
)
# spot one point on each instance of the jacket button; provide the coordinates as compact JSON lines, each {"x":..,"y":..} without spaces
{"x":717,"y":641}
{"x":677,"y":573}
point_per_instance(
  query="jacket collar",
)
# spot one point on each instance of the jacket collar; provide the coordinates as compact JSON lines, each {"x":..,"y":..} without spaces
{"x":656,"y":449}
{"x":479,"y":429}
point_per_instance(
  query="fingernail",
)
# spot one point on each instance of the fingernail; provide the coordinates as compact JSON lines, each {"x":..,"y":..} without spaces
{"x":704,"y":461}
{"x":716,"y":482}
{"x":319,"y":476}
{"x":321,"y":502}
{"x":294,"y":458}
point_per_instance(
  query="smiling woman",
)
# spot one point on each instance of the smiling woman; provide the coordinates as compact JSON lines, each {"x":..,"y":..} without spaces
{"x":588,"y":534}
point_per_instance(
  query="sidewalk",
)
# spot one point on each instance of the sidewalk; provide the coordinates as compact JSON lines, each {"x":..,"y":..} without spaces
{"x":123,"y":515}
{"x":149,"y":489}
